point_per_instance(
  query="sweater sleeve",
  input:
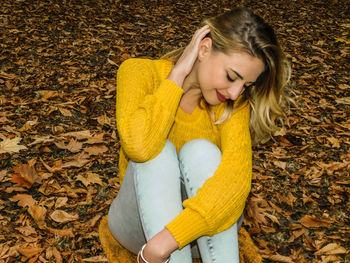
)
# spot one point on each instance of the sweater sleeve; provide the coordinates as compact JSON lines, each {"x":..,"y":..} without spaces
{"x":221,"y":200}
{"x":146,"y":108}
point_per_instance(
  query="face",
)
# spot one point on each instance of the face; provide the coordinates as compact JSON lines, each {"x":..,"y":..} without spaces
{"x":225,"y":76}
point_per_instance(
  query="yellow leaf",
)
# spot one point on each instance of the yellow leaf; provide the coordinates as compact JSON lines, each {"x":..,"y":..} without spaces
{"x":11,"y":145}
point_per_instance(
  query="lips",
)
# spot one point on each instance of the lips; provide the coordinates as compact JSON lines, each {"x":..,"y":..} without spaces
{"x":220,"y":97}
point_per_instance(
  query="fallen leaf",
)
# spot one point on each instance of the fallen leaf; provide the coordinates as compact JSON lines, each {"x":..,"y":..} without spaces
{"x":61,"y":216}
{"x":28,"y":125}
{"x":79,"y":135}
{"x":11,"y":145}
{"x":104,"y":120}
{"x":345,"y":100}
{"x":38,"y":213}
{"x":309,"y":221}
{"x":26,"y":230}
{"x":61,"y":201}
{"x":280,"y":164}
{"x":23,"y":200}
{"x":57,"y":166}
{"x":65,"y":112}
{"x":62,"y":232}
{"x":331,"y":249}
{"x":47,"y":94}
{"x":79,"y":161}
{"x":91,"y":178}
{"x":96,"y":149}
{"x":96,"y":259}
{"x":73,"y":145}
{"x":97,"y":138}
{"x":335,"y":142}
{"x":25,"y":175}
{"x":279,"y":258}
{"x":40,"y":140}
{"x":29,"y":252}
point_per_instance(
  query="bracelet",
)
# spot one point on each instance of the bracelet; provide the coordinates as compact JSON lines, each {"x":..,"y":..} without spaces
{"x":141,"y":255}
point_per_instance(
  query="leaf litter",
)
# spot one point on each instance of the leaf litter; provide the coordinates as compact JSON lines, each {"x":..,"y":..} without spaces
{"x":59,"y":146}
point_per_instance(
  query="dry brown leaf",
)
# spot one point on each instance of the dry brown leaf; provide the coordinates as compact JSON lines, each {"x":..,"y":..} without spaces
{"x":313,"y":119}
{"x":335,"y":142}
{"x":47,"y":94}
{"x":41,"y":140}
{"x":343,"y":100}
{"x":29,"y":252}
{"x":11,"y":145}
{"x":104,"y":120}
{"x":311,"y":221}
{"x":73,"y":145}
{"x":26,"y":230}
{"x":79,"y":161}
{"x":53,"y":252}
{"x":65,"y":112}
{"x":61,"y":201}
{"x":57,"y":166}
{"x":79,"y":135}
{"x":331,"y":249}
{"x":66,"y":232}
{"x":91,"y":178}
{"x":279,"y":258}
{"x":97,"y":138}
{"x":38,"y":213}
{"x":23,"y":200}
{"x":96,"y":259}
{"x":61,"y":216}
{"x":28,"y":125}
{"x":25,"y":175}
{"x":96,"y":149}
{"x":280,"y":164}
{"x":298,"y":233}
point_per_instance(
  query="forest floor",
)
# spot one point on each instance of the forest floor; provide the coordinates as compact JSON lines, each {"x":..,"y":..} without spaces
{"x":59,"y":146}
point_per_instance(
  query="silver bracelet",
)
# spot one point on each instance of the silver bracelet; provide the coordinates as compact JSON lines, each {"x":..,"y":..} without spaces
{"x":141,"y":254}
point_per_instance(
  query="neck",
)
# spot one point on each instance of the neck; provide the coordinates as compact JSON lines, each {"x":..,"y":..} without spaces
{"x":192,"y":94}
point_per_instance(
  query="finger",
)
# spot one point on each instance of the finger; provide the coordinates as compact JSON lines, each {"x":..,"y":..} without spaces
{"x":200,"y":34}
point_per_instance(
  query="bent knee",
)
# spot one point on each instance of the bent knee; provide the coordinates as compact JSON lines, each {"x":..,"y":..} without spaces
{"x":199,"y":150}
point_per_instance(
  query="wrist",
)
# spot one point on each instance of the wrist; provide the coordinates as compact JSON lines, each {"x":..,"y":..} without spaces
{"x":142,"y":259}
{"x":177,"y":76}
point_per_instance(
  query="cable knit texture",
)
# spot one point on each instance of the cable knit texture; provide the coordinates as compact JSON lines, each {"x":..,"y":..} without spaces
{"x":148,"y":114}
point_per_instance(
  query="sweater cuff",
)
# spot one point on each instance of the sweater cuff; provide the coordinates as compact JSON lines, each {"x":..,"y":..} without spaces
{"x":187,"y":226}
{"x":170,"y":93}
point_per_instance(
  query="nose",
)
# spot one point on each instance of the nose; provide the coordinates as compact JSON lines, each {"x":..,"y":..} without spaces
{"x":236,"y":89}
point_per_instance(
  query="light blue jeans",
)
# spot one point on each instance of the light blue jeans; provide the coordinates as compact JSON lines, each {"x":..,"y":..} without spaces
{"x":152,"y":194}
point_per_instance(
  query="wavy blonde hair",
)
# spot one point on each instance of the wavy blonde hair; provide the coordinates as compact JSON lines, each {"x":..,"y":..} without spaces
{"x":242,"y":30}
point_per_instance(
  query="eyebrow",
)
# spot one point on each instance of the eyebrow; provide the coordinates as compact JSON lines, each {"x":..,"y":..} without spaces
{"x":238,"y":75}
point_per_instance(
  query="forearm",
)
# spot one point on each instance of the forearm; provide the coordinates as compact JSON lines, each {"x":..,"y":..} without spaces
{"x":159,"y":247}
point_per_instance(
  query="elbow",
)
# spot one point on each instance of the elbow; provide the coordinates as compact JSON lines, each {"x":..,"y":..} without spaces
{"x":137,"y":152}
{"x":138,"y":149}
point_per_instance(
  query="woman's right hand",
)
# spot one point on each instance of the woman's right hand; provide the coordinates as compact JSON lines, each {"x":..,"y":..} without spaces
{"x":185,"y":63}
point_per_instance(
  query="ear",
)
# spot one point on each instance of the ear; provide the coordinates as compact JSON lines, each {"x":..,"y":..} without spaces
{"x":204,"y":48}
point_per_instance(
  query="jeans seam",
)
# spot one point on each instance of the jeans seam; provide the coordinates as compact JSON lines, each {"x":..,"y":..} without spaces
{"x":186,"y":178}
{"x":138,"y":200}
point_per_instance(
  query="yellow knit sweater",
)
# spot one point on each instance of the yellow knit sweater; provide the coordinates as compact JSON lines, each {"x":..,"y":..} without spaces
{"x":148,"y":114}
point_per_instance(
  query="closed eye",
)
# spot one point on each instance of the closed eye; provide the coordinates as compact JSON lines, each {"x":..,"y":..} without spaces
{"x":229,"y":78}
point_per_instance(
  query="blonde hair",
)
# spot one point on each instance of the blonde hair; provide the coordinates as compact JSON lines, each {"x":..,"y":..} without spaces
{"x":241,"y":30}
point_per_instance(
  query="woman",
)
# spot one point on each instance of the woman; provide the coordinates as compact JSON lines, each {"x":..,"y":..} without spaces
{"x":186,"y":124}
